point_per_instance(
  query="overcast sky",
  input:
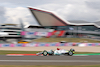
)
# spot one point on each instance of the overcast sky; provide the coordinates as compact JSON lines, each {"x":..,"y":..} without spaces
{"x":12,"y":10}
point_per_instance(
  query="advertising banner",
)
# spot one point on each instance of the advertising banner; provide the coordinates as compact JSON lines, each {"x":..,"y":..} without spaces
{"x":49,"y":34}
{"x":62,"y":44}
{"x":47,"y":44}
{"x":90,"y":44}
{"x":42,"y":44}
{"x":42,"y":34}
{"x":6,"y":45}
{"x":53,"y":44}
{"x":70,"y":44}
{"x":35,"y":34}
{"x":19,"y":45}
{"x":30,"y":33}
{"x":12,"y":45}
{"x":96,"y":44}
{"x":23,"y":33}
{"x":0,"y":45}
{"x":31,"y":44}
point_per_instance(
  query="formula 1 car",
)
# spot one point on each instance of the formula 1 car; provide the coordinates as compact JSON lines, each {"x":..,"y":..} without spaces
{"x":57,"y":52}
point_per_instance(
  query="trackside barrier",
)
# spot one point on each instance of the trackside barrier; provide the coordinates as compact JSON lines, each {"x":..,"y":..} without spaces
{"x":6,"y":45}
{"x":38,"y":44}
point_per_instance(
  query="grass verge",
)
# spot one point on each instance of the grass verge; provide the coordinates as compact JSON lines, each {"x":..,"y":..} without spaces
{"x":48,"y":66}
{"x":4,"y":52}
{"x":66,"y":39}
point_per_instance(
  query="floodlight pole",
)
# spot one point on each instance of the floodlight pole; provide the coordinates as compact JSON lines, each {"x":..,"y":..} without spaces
{"x":22,"y":27}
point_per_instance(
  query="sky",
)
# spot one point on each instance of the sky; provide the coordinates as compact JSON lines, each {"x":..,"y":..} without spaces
{"x":13,"y":10}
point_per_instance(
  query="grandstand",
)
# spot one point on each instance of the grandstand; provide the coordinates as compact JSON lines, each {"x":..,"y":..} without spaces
{"x":65,"y":28}
{"x":11,"y":31}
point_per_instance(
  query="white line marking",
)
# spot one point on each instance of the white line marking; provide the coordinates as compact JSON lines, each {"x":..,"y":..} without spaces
{"x":49,"y":61}
{"x":80,"y":55}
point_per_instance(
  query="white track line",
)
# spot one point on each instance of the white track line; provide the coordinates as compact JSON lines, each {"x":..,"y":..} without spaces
{"x":50,"y":61}
{"x":40,"y":55}
{"x":80,"y":55}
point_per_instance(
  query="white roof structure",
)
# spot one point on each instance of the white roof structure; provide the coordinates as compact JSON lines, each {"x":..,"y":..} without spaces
{"x":48,"y":18}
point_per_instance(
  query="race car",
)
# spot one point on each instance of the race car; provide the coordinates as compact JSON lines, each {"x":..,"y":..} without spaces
{"x":57,"y":52}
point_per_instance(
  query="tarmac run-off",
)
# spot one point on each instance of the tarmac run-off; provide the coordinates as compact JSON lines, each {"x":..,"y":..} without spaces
{"x":77,"y":48}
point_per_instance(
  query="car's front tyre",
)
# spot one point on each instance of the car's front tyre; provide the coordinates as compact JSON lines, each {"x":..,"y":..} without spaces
{"x":45,"y":53}
{"x":70,"y":53}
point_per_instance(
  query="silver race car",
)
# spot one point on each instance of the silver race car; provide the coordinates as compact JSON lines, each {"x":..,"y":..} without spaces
{"x":57,"y":52}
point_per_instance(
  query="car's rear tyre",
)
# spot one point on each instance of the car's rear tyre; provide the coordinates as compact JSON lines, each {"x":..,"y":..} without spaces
{"x":45,"y":53}
{"x":70,"y":53}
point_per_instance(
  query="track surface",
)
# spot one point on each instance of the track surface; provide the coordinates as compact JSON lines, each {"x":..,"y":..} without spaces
{"x":49,"y":60}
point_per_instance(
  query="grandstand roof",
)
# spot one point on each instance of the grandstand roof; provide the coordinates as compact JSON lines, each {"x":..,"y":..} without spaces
{"x":48,"y":18}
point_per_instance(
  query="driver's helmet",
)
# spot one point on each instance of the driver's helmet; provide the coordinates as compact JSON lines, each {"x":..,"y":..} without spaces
{"x":72,"y":50}
{"x":51,"y":50}
{"x":58,"y":48}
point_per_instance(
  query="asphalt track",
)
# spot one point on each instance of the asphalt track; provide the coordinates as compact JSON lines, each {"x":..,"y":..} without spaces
{"x":49,"y":60}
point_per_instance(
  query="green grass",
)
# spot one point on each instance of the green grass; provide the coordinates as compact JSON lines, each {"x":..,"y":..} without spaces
{"x":48,"y":66}
{"x":83,"y":52}
{"x":66,"y":39}
{"x":4,"y":52}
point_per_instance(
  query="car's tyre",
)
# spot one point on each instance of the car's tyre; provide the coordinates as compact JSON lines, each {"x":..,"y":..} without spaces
{"x":45,"y":53}
{"x":70,"y":53}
